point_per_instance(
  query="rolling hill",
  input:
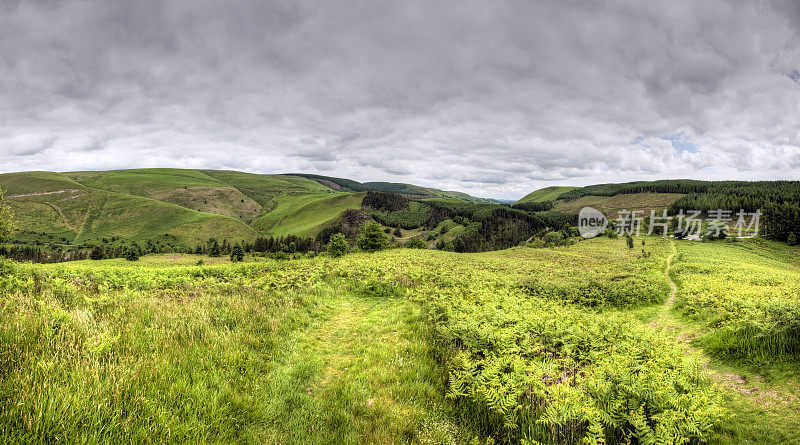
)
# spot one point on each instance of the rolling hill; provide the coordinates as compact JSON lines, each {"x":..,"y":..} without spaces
{"x":414,"y":191}
{"x":188,"y":205}
{"x":545,"y":194}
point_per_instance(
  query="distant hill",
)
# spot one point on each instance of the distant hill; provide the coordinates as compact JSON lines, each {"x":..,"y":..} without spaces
{"x":185,"y":204}
{"x":545,"y":194}
{"x":410,"y":190}
{"x":777,"y":200}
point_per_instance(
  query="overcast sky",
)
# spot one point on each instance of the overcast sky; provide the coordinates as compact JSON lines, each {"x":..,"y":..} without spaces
{"x":494,"y":98}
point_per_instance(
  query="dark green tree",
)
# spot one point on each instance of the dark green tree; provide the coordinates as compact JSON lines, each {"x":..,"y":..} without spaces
{"x":237,"y":253}
{"x":214,"y":250}
{"x":338,"y":245}
{"x":792,"y":239}
{"x":372,"y":238}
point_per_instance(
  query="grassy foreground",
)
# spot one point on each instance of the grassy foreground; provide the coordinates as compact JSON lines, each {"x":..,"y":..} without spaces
{"x":402,"y":346}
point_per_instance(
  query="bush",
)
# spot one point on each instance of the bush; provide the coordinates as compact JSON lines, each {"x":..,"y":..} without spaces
{"x":553,"y":239}
{"x":338,"y":246}
{"x":237,"y":253}
{"x":629,"y":241}
{"x":792,"y":239}
{"x":372,"y":238}
{"x":398,"y":233}
{"x":415,"y":243}
{"x":132,"y":253}
{"x":97,"y":253}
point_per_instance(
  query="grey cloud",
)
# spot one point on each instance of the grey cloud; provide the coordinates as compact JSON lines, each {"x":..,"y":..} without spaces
{"x":491,"y":98}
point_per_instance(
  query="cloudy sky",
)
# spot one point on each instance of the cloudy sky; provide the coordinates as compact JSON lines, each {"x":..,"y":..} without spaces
{"x":494,"y":98}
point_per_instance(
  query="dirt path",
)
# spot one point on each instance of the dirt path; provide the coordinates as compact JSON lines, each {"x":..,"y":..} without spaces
{"x":58,"y":209}
{"x":54,"y":192}
{"x":760,"y":407}
{"x":684,"y":332}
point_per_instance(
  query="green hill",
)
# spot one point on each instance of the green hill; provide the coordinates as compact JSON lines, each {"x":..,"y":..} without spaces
{"x":413,"y":191}
{"x":545,"y":194}
{"x":189,"y":205}
{"x":58,"y":205}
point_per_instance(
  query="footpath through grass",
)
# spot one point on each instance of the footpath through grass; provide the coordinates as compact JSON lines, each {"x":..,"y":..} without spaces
{"x":763,"y":396}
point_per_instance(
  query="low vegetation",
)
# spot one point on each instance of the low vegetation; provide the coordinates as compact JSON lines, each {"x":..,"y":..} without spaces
{"x":521,"y":344}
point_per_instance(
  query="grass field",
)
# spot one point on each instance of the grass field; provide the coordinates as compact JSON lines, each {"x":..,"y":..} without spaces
{"x":545,"y":194}
{"x":556,"y":345}
{"x":306,"y":214}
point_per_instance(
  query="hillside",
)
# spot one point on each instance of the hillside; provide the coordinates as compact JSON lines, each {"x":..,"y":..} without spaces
{"x":545,"y":194}
{"x":612,"y":205}
{"x":414,"y":191}
{"x":58,"y":206}
{"x":186,"y":205}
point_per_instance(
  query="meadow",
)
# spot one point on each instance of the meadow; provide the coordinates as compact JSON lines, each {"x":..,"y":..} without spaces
{"x":524,"y":345}
{"x":749,"y":293}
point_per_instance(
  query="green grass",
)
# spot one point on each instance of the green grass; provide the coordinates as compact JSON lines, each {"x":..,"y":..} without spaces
{"x":92,"y":214}
{"x":306,"y":215}
{"x":545,"y":194}
{"x":191,"y":205}
{"x":748,"y":292}
{"x":143,"y":181}
{"x":35,"y":182}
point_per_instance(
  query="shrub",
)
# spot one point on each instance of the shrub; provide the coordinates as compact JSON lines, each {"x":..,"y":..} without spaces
{"x":97,"y":253}
{"x":629,"y":241}
{"x":415,"y":243}
{"x":132,"y":253}
{"x":553,"y":239}
{"x":792,"y":239}
{"x":398,"y":232}
{"x":338,"y":246}
{"x":372,"y":238}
